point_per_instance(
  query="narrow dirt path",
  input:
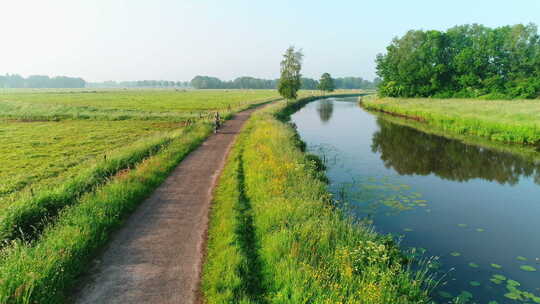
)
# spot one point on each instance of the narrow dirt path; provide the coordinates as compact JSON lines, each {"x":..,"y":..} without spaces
{"x":156,"y":256}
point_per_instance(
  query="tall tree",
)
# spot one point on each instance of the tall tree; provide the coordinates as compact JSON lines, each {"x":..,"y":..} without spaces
{"x":290,"y":80}
{"x":326,"y":83}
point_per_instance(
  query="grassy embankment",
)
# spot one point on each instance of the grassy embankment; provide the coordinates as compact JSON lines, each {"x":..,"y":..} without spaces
{"x":275,"y":236}
{"x":510,"y":121}
{"x":70,"y":221}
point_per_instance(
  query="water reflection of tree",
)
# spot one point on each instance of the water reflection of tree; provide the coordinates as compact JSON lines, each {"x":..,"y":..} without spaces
{"x":409,"y":151}
{"x":325,"y":109}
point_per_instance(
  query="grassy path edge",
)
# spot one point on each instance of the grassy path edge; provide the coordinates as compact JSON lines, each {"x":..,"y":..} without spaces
{"x":274,"y":236}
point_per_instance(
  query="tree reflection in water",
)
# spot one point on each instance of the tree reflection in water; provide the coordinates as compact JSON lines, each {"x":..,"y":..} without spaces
{"x":325,"y":108}
{"x":412,"y":152}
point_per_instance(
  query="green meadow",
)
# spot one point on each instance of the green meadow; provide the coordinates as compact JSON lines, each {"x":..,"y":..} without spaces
{"x":58,"y":145}
{"x":510,"y":121}
{"x":47,"y":136}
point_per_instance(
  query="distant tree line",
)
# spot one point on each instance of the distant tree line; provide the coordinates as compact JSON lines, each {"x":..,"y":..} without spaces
{"x":139,"y":84}
{"x":206,"y":82}
{"x":40,"y":81}
{"x":465,"y":61}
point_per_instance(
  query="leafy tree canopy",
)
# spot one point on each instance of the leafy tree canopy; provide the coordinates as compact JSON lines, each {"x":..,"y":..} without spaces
{"x":465,"y":61}
{"x":290,"y":80}
{"x":326,"y":83}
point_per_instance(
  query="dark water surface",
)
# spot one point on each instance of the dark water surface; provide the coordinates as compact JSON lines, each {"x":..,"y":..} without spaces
{"x":476,"y":209}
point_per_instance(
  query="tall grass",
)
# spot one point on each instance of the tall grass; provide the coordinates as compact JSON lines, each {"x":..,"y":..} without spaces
{"x":275,"y":236}
{"x":511,"y":121}
{"x":43,"y":272}
{"x":26,"y":218}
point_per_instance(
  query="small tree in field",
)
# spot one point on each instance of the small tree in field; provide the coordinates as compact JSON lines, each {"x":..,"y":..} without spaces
{"x":290,"y":80}
{"x":326,"y":84}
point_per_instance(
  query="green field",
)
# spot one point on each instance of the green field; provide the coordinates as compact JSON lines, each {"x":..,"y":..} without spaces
{"x":172,"y":105}
{"x":512,"y":121}
{"x":49,"y":135}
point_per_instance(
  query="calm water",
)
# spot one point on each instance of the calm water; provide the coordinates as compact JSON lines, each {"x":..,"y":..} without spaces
{"x":476,"y":209}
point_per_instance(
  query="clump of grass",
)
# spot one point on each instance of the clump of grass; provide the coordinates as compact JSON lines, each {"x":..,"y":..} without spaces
{"x":512,"y":121}
{"x":44,"y":271}
{"x":302,"y":249}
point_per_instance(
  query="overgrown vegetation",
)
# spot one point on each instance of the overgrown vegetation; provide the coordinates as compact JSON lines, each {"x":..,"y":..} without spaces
{"x":276,"y":236}
{"x":44,"y":271}
{"x":465,"y":61}
{"x":512,"y":121}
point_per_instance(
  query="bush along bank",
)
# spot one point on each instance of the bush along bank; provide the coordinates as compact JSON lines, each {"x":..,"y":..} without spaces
{"x":43,"y":271}
{"x":276,"y":237}
{"x":521,"y":130}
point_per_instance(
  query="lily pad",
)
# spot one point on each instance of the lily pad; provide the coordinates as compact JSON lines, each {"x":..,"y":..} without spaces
{"x":520,"y":258}
{"x":499,"y":277}
{"x":493,"y":302}
{"x":465,"y":296}
{"x":480,"y":229}
{"x":445,"y":294}
{"x":462,"y":225}
{"x":473,"y":265}
{"x":495,"y":281}
{"x":475,"y":283}
{"x":513,"y":296}
{"x":496,"y":266}
{"x":455,"y":254}
{"x":513,"y":283}
{"x":408,"y":229}
{"x":527,"y":268}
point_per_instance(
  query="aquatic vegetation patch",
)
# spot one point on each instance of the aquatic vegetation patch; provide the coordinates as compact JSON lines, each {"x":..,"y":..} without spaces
{"x":455,"y":254}
{"x":474,"y":283}
{"x":521,"y":258}
{"x":473,"y":265}
{"x":464,"y":296}
{"x":496,"y":266}
{"x":445,"y":294}
{"x":527,"y":268}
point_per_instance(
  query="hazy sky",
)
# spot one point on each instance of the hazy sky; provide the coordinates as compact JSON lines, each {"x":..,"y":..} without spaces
{"x":176,"y":40}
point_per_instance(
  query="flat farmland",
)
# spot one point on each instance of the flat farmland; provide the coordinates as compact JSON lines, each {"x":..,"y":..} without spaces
{"x":135,"y":104}
{"x":49,"y":136}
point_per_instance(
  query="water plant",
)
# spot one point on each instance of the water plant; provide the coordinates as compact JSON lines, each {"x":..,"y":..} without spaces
{"x":527,"y":268}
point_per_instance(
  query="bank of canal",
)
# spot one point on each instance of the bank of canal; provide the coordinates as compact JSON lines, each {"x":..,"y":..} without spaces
{"x":475,"y":209}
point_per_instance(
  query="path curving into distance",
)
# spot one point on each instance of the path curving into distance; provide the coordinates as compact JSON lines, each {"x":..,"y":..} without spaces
{"x":156,"y":256}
